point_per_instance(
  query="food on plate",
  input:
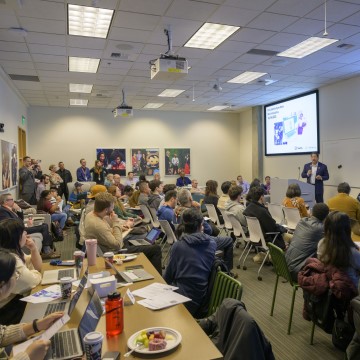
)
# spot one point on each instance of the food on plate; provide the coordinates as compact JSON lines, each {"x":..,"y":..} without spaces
{"x":153,"y":339}
{"x":157,"y":344}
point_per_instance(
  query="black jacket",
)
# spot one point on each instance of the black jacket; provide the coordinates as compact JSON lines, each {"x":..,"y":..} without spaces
{"x":8,"y":214}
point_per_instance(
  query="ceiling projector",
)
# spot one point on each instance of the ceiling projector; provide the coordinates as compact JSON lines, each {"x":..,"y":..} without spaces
{"x":123,"y":110}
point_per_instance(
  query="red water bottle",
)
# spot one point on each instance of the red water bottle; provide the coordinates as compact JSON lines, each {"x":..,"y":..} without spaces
{"x":114,"y":314}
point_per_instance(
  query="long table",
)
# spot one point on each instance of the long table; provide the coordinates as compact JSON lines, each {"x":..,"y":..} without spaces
{"x":195,"y":343}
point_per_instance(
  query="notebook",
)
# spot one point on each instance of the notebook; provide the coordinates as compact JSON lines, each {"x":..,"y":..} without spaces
{"x":54,"y":276}
{"x":150,"y":238}
{"x":38,"y":311}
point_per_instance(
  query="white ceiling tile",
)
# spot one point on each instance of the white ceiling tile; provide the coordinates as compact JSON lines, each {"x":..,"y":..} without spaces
{"x":38,"y":25}
{"x":86,"y":53}
{"x":252,"y":35}
{"x":13,"y":46}
{"x":131,"y":20}
{"x":128,"y":34}
{"x":156,"y":7}
{"x":47,"y":49}
{"x":47,"y":39}
{"x":6,"y":35}
{"x":17,"y":71}
{"x":8,"y":21}
{"x":285,"y":39}
{"x":115,"y":71}
{"x":51,"y":66}
{"x":85,"y":42}
{"x":355,"y":39}
{"x":49,"y":59}
{"x":342,"y":31}
{"x":274,"y":22}
{"x":43,"y":73}
{"x":236,"y":47}
{"x":106,"y":4}
{"x":252,"y":5}
{"x":234,"y":16}
{"x":42,"y":10}
{"x":11,"y":55}
{"x":306,"y":26}
{"x":348,"y":58}
{"x":294,"y":7}
{"x":18,"y":64}
{"x":218,"y":59}
{"x":353,"y":19}
{"x":191,"y":10}
{"x":30,"y":85}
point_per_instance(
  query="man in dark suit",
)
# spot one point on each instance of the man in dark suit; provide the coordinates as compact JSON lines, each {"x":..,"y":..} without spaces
{"x":27,"y":182}
{"x":316,"y":173}
{"x":67,"y":177}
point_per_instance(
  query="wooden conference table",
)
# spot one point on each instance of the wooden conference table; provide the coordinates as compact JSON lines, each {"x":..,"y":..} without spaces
{"x":195,"y":343}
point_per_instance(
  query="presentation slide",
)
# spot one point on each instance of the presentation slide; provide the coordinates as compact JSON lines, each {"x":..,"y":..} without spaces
{"x":291,"y":126}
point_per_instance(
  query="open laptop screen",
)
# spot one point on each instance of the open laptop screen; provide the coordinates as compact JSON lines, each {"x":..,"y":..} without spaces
{"x":152,"y":235}
{"x":78,"y":292}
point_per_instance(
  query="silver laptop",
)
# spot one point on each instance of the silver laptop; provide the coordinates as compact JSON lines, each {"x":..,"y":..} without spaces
{"x":150,"y":238}
{"x":54,"y":276}
{"x":38,"y":311}
{"x":69,"y":344}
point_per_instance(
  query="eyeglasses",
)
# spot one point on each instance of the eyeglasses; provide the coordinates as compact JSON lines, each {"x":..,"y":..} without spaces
{"x":9,"y":200}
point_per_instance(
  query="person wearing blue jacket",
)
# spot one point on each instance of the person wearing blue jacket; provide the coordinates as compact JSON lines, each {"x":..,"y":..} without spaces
{"x":191,"y":260}
{"x":166,"y":212}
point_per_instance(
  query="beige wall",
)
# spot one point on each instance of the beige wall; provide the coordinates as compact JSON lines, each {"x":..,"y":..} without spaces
{"x":246,"y":144}
{"x":69,"y":134}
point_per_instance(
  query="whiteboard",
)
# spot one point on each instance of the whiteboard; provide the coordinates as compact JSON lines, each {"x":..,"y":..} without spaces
{"x":344,"y":153}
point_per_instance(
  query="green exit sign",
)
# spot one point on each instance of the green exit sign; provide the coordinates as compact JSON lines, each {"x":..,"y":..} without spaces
{"x":23,"y":119}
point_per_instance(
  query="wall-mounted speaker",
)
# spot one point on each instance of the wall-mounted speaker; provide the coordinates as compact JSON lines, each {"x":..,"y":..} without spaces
{"x":2,"y":128}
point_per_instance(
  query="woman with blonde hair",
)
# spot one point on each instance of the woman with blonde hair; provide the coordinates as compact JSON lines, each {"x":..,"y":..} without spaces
{"x":55,"y":178}
{"x":119,"y":208}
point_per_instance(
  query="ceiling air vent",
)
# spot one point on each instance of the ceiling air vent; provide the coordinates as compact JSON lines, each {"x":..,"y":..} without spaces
{"x":262,"y":52}
{"x":24,"y":77}
{"x":120,"y":56}
{"x":345,"y":46}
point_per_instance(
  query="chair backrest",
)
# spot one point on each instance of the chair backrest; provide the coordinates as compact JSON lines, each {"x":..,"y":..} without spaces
{"x":227,"y":222}
{"x":292,"y":217}
{"x":155,"y":220}
{"x":237,"y":228}
{"x":212,"y":213}
{"x":255,"y":231}
{"x":276,"y":212}
{"x":146,"y":212}
{"x":166,"y":228}
{"x":86,"y":186}
{"x":82,"y":227}
{"x":279,"y":262}
{"x":197,"y":196}
{"x":44,"y":218}
{"x":225,"y":287}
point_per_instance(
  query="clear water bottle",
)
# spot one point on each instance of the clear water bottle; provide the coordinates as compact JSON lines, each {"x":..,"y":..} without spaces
{"x":114,"y":307}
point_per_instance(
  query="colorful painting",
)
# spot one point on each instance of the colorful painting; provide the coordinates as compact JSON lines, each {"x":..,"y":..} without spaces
{"x":145,"y":161}
{"x":9,"y":165}
{"x":113,"y":160}
{"x":177,"y":160}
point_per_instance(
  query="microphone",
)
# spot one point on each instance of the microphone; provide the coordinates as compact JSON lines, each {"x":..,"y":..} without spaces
{"x":299,"y":172}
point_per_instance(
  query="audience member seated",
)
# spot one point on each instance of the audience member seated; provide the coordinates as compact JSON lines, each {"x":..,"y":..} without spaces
{"x":166,"y":211}
{"x":257,"y":209}
{"x":98,"y":173}
{"x":244,"y":184}
{"x":117,"y":182}
{"x":293,"y":200}
{"x":337,"y":248}
{"x":144,"y":193}
{"x":166,"y":188}
{"x":266,"y":186}
{"x":95,"y":189}
{"x":157,"y":176}
{"x":77,"y":197}
{"x":309,"y":231}
{"x":109,"y":180}
{"x":142,"y":178}
{"x":105,"y":226}
{"x":235,"y":206}
{"x":83,"y":172}
{"x":211,"y":197}
{"x":55,"y":179}
{"x":10,"y":210}
{"x":345,"y":203}
{"x":130,"y":180}
{"x":255,"y":183}
{"x":45,"y":205}
{"x":10,"y":335}
{"x":128,"y":191}
{"x":194,"y":187}
{"x":154,"y":197}
{"x":56,"y":199}
{"x":191,"y":260}
{"x":119,"y":208}
{"x":225,"y":186}
{"x":13,"y":237}
{"x":44,"y":184}
{"x":182,"y":180}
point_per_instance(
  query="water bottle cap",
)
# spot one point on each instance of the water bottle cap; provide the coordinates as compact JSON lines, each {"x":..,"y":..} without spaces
{"x":114,"y":296}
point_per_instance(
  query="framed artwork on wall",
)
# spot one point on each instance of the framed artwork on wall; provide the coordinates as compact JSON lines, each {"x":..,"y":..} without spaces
{"x":9,"y":165}
{"x":176,"y":160}
{"x":145,"y":161}
{"x":113,"y":160}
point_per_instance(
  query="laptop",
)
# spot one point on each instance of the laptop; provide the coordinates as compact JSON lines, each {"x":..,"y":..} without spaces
{"x":130,"y":276}
{"x":38,"y":311}
{"x":54,"y":276}
{"x":150,"y":238}
{"x":69,"y":344}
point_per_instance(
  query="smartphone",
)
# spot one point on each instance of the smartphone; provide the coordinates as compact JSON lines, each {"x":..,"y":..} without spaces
{"x":111,"y":355}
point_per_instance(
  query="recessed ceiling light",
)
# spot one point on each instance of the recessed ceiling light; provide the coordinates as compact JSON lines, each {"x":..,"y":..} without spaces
{"x":171,"y":93}
{"x":218,"y":107}
{"x":246,"y":77}
{"x":78,"y":102}
{"x":81,"y":88}
{"x":89,"y":21}
{"x":211,"y":35}
{"x":83,"y":64}
{"x":153,"y":105}
{"x":307,"y":47}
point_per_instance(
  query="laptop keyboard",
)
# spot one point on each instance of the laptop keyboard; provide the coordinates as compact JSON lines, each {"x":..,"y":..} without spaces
{"x":51,"y":308}
{"x":65,"y":273}
{"x":63,"y":344}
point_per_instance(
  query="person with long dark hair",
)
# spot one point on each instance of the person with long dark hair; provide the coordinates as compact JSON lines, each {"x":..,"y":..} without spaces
{"x":13,"y":237}
{"x":9,"y":276}
{"x":98,"y":172}
{"x":212,"y":197}
{"x":337,"y":248}
{"x":293,"y":199}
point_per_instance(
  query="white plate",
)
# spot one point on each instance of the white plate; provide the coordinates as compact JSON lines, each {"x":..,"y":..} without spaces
{"x":127,"y":257}
{"x":170,"y":344}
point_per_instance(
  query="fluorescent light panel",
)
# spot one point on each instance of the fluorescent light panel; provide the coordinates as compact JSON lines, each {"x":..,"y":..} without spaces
{"x":81,"y":88}
{"x":89,"y":21}
{"x":171,"y":93}
{"x":211,"y":35}
{"x":153,"y":105}
{"x":246,"y":77}
{"x":307,"y":47}
{"x":79,"y":102}
{"x":218,"y":107}
{"x":79,"y":64}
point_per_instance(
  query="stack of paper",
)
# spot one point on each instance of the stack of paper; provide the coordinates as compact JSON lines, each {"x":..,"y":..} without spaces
{"x":48,"y":294}
{"x":159,"y":296}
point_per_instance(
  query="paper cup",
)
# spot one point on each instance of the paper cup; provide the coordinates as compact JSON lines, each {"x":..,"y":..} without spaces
{"x":79,"y":258}
{"x":66,"y":286}
{"x":93,"y":345}
{"x":109,"y":256}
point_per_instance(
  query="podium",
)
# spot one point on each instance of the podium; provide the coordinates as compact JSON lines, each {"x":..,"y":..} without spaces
{"x":279,"y":187}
